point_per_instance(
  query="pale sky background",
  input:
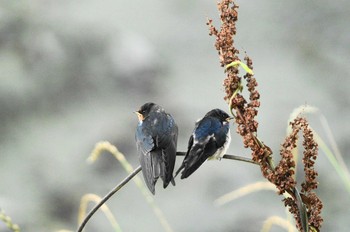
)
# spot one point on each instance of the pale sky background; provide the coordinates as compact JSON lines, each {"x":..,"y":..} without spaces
{"x":73,"y":72}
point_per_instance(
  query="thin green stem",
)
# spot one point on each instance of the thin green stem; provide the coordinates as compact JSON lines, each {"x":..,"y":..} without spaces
{"x":239,"y":89}
{"x":240,"y":63}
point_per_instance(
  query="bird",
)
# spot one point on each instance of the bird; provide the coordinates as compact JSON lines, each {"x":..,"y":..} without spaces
{"x":209,"y":140}
{"x":156,"y":141}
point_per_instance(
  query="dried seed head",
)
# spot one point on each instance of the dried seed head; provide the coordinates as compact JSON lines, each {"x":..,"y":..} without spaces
{"x":247,"y":126}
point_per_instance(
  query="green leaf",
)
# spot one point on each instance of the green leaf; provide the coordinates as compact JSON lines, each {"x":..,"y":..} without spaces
{"x":237,"y":63}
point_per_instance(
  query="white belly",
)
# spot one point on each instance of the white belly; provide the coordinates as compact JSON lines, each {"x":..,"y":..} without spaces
{"x":222,"y":151}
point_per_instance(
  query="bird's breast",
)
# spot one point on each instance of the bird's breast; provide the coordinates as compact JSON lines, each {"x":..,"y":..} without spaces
{"x":222,"y":150}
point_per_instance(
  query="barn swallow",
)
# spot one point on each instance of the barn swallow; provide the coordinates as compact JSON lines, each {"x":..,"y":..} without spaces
{"x":156,"y":141}
{"x":209,"y":140}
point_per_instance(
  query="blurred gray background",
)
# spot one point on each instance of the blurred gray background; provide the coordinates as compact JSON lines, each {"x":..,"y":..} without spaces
{"x":73,"y":72}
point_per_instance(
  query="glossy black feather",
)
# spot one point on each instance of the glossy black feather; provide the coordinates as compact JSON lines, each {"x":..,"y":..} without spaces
{"x":156,"y":139}
{"x":210,"y":135}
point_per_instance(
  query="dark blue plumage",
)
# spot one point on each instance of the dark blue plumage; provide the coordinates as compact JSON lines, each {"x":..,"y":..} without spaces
{"x":156,"y":141}
{"x":209,"y":140}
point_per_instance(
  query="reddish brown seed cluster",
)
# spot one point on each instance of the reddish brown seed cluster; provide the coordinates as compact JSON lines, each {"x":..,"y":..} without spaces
{"x":245,"y":112}
{"x":312,"y":203}
{"x":224,"y":44}
{"x":314,"y":211}
{"x":294,"y":210}
{"x":310,"y":155}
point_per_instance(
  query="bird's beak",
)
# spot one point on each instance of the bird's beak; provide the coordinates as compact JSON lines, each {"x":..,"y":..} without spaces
{"x":229,"y":118}
{"x":139,"y":116}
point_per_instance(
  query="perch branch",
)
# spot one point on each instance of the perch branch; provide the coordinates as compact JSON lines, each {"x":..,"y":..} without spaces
{"x":137,"y":170}
{"x":109,"y":195}
{"x":227,"y":156}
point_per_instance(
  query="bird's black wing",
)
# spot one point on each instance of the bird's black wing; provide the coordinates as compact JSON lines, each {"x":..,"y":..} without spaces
{"x":149,"y":163}
{"x":190,"y":143}
{"x":203,"y":144}
{"x":156,"y":141}
{"x":198,"y":154}
{"x":166,"y":142}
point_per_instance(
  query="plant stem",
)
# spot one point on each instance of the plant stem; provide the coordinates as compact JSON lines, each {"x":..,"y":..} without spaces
{"x":137,"y":170}
{"x":239,"y":158}
{"x":226,"y":156}
{"x":105,"y":198}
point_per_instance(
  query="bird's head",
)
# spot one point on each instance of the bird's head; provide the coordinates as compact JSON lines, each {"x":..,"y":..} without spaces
{"x":219,"y":114}
{"x":145,"y":110}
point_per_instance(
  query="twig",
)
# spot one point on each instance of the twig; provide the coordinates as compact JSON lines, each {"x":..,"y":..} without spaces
{"x":107,"y":146}
{"x":90,"y":197}
{"x":239,"y":158}
{"x":227,"y":156}
{"x":137,"y":170}
{"x":105,"y":198}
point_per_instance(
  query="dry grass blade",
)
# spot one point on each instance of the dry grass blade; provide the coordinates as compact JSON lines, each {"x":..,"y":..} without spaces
{"x":106,"y":146}
{"x":86,"y":199}
{"x":278,"y":221}
{"x":8,"y":221}
{"x":106,"y":198}
{"x":344,"y":175}
{"x":243,"y":191}
{"x":333,"y":144}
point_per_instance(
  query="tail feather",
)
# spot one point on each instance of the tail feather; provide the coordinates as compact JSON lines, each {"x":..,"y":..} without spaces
{"x":192,"y":162}
{"x":167,"y":162}
{"x":179,"y":170}
{"x":149,"y":174}
{"x":189,"y":170}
